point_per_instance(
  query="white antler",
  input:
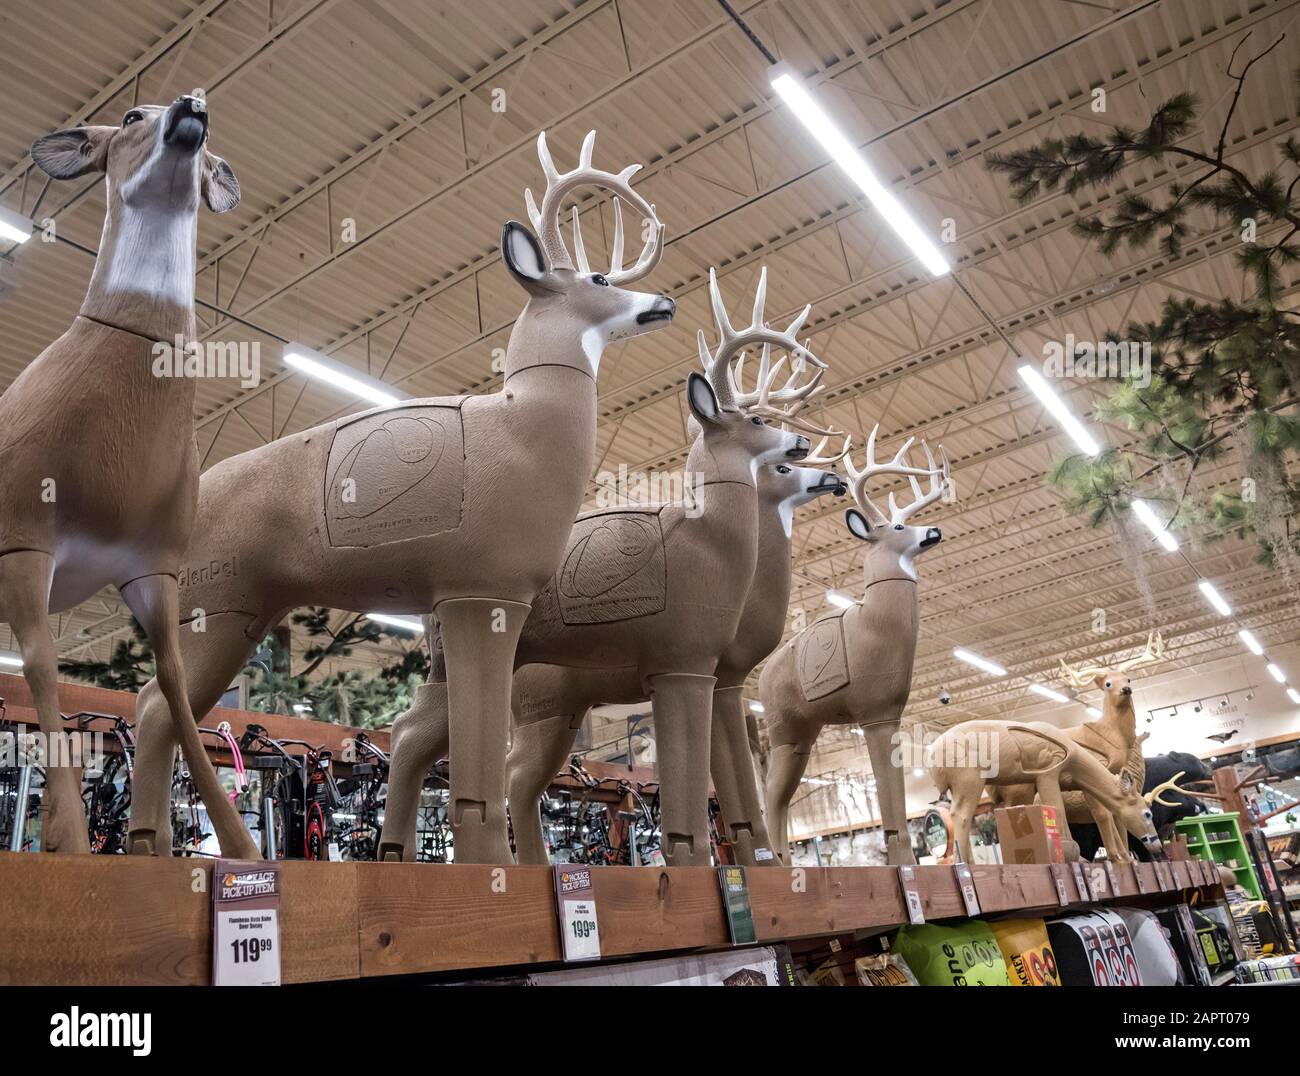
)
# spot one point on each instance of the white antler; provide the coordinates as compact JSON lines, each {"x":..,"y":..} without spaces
{"x":732,"y":344}
{"x":1153,"y":797}
{"x":898,"y":465}
{"x":1155,"y":649}
{"x":546,"y":220}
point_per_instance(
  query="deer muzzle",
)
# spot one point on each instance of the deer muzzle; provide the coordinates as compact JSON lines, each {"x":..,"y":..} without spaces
{"x":663,"y":310}
{"x":933,"y":536}
{"x":186,"y":124}
{"x":802,"y":446}
{"x":829,"y":483}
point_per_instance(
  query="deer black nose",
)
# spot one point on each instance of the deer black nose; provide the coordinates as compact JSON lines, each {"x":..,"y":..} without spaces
{"x":1126,"y":690}
{"x":186,"y":124}
{"x":663,"y":309}
{"x":933,"y":536}
{"x":801,"y":447}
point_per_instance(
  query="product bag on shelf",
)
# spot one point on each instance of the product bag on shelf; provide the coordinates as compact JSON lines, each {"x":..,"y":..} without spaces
{"x":1094,"y":949}
{"x":884,"y":969}
{"x":963,"y":955}
{"x":1157,"y":961}
{"x":1027,"y":952}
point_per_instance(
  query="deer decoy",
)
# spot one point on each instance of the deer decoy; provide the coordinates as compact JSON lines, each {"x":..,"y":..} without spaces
{"x":1112,"y":737}
{"x":98,"y":466}
{"x":1038,"y":754}
{"x":854,"y":665}
{"x":460,"y":505}
{"x":644,"y":602}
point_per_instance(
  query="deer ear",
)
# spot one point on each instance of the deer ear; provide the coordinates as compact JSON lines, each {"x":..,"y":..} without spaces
{"x":523,"y":256}
{"x":702,"y":398}
{"x":78,"y":151}
{"x":858,"y":525}
{"x":220,"y":187}
{"x":1100,"y":680}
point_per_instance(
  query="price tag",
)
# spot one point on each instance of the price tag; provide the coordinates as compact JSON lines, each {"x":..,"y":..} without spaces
{"x":245,"y":924}
{"x":1096,"y":881}
{"x":911,"y":895}
{"x":1058,"y":876}
{"x":966,"y":883}
{"x":1081,"y":882}
{"x":1163,"y":877}
{"x":1112,"y":875}
{"x":575,"y":899}
{"x":735,"y":902}
{"x":1140,"y":876}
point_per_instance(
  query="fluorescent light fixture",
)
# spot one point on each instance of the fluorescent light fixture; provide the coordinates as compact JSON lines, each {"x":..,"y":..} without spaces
{"x":918,"y":772}
{"x":302,"y":708}
{"x":405,"y":623}
{"x":323,"y":368}
{"x":14,"y":227}
{"x":1276,"y":673}
{"x":822,"y":127}
{"x":1293,"y":695}
{"x":1252,"y":644}
{"x":839,"y":598}
{"x":1143,"y":511}
{"x":978,"y":662}
{"x":1048,"y":693}
{"x":820,"y":782}
{"x":12,"y":661}
{"x":756,"y":706}
{"x":1060,"y":412}
{"x":1215,"y":598}
{"x":1093,"y":712}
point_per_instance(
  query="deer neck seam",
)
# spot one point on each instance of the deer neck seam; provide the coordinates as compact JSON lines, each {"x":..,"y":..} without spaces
{"x":516,"y":371}
{"x":122,"y":329}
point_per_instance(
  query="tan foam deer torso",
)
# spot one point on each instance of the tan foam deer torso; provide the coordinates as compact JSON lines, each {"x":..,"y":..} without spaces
{"x":854,"y":665}
{"x":459,"y":504}
{"x":98,"y":466}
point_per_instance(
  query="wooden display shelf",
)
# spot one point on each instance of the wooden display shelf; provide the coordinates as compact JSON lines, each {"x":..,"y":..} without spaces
{"x":114,"y":920}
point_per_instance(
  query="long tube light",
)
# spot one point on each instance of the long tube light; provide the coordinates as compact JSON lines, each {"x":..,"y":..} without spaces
{"x":1252,"y":644}
{"x":405,"y":623}
{"x":755,"y":706}
{"x":13,"y":661}
{"x":978,"y":662}
{"x":1276,"y":673}
{"x":839,"y":598}
{"x":14,"y":227}
{"x":832,"y":140}
{"x":1293,"y":695}
{"x":1048,"y":693}
{"x":1093,"y":712}
{"x":323,"y":368}
{"x":1059,"y":410}
{"x":1215,"y":598}
{"x":1143,"y":511}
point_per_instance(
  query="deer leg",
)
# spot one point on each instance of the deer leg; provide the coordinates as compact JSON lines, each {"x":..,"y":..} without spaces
{"x":212,"y":658}
{"x":537,"y":753}
{"x":682,"y":704}
{"x":154,"y":600}
{"x":479,"y":636}
{"x":1049,"y":794}
{"x":420,"y":737}
{"x":732,"y":765}
{"x":890,"y":791}
{"x":25,"y":577}
{"x":1113,"y":838}
{"x":786,"y":763}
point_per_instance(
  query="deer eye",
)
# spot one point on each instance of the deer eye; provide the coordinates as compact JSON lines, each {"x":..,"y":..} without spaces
{"x":783,"y":469}
{"x":1109,"y":684}
{"x":898,"y":526}
{"x":596,"y":278}
{"x":757,"y":421}
{"x":132,"y":117}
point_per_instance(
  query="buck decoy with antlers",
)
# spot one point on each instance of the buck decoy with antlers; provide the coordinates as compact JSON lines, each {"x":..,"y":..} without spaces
{"x":459,"y":505}
{"x":854,"y":665}
{"x":98,"y":467}
{"x":644,"y":601}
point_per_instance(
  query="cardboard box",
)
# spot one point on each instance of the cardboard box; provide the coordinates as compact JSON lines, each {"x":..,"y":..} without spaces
{"x":1176,"y":848}
{"x":1029,"y":834}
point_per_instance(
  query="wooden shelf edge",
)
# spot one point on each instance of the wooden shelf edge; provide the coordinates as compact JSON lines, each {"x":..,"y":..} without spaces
{"x":114,"y":920}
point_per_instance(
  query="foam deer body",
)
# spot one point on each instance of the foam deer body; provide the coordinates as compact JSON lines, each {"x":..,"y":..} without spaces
{"x":551,"y":701}
{"x":654,"y":593}
{"x":98,"y":466}
{"x":457,"y":504}
{"x":1040,"y":755}
{"x":854,"y":665}
{"x":1113,"y":738}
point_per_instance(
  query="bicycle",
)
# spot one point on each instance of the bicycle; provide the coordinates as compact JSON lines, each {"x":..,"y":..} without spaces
{"x":107,"y":791}
{"x":297,"y":807}
{"x":362,"y":796}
